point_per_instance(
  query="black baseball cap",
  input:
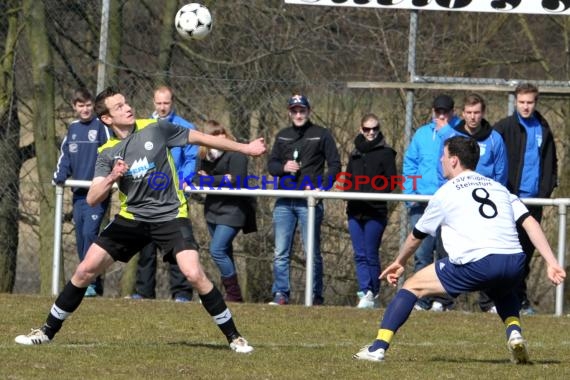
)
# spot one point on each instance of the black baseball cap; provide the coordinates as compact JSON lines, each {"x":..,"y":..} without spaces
{"x":298,"y":101}
{"x":443,"y":102}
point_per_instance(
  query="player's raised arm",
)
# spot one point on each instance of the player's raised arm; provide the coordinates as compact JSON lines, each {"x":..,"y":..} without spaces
{"x":254,"y":148}
{"x":555,"y":272}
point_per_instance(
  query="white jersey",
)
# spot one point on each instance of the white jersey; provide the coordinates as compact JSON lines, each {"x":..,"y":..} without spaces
{"x":477,"y":217}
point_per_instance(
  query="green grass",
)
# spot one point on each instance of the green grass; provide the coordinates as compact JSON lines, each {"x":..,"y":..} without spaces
{"x":126,"y":339}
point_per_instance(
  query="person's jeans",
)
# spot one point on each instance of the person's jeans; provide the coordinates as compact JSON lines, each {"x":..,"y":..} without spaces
{"x":286,"y":214}
{"x":87,"y":222}
{"x":424,"y":256}
{"x":366,"y":236}
{"x":221,"y":248}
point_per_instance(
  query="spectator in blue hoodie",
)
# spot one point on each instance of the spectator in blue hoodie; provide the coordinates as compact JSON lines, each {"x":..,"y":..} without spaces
{"x":493,"y":161}
{"x":77,"y":161}
{"x":422,"y":158}
{"x":185,"y":162}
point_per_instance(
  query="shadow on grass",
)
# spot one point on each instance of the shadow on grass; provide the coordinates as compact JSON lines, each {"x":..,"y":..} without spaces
{"x":214,"y":346}
{"x":489,"y":361}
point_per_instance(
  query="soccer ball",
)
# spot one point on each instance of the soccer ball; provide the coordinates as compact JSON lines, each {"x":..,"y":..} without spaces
{"x":193,"y":21}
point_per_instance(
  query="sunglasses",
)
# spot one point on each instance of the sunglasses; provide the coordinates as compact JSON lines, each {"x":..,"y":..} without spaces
{"x":301,"y":111}
{"x":368,"y":130}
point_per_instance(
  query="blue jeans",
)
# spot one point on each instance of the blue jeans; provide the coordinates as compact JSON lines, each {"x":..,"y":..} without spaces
{"x":424,"y":256}
{"x":221,"y":248}
{"x":366,"y":236}
{"x":288,"y":212}
{"x":87,"y":222}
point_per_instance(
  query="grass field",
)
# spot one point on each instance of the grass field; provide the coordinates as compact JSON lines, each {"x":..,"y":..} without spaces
{"x":124,"y":339}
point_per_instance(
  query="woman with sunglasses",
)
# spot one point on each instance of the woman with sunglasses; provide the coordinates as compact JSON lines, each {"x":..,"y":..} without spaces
{"x":372,"y":159}
{"x":225,"y":215}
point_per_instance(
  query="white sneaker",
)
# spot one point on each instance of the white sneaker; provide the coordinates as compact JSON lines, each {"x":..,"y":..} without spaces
{"x":366,"y":300}
{"x":492,"y":310}
{"x":517,"y":348}
{"x":241,"y":346}
{"x":37,"y":336}
{"x":437,"y":307}
{"x":373,"y":356}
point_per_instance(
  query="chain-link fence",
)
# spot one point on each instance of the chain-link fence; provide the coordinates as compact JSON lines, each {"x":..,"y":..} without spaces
{"x":242,"y":74}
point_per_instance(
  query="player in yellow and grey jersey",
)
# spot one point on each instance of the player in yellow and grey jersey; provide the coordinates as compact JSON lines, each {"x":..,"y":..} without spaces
{"x":152,"y":210}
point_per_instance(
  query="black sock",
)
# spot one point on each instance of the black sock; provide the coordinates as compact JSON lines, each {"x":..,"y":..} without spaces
{"x":65,"y":304}
{"x":215,"y":305}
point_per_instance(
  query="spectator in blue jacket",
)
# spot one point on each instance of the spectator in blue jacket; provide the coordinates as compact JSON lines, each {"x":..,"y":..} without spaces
{"x":493,"y":161}
{"x":422,"y":158}
{"x":533,"y":165}
{"x":185,"y":162}
{"x":77,"y":160}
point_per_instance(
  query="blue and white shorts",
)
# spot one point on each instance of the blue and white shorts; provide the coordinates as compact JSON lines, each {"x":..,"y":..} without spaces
{"x":495,"y":274}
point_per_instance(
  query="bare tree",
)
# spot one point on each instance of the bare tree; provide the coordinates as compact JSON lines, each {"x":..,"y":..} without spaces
{"x":43,"y":120}
{"x":9,"y":151}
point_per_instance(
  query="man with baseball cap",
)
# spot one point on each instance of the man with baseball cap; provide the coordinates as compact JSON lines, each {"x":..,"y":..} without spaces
{"x":297,"y":160}
{"x":422,"y":158}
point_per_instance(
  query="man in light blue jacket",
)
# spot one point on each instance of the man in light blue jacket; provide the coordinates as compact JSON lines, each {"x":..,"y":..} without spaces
{"x":493,"y":162}
{"x":422,"y":158}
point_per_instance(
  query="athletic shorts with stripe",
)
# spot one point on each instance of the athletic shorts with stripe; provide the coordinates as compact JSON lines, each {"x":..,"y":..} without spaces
{"x":123,"y":238}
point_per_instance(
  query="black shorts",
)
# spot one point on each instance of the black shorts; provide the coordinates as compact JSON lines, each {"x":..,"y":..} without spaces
{"x":123,"y":238}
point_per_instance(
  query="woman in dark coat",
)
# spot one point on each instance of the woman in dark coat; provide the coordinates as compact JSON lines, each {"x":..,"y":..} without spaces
{"x":374,"y":159}
{"x":225,"y":215}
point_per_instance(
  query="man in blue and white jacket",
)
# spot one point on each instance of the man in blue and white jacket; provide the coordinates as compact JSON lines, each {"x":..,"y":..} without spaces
{"x":77,"y":160}
{"x":422,"y":160}
{"x":185,"y":163}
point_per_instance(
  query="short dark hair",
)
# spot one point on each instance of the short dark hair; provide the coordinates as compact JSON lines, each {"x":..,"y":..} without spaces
{"x":82,"y":95}
{"x":100,"y":106}
{"x":526,"y":88}
{"x":465,"y":148}
{"x":474,"y":99}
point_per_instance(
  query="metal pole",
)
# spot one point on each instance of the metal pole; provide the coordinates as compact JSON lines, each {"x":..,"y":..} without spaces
{"x":56,"y":269}
{"x":412,"y":39}
{"x":311,"y":203}
{"x":511,"y":104}
{"x":103,"y":45}
{"x":559,"y":308}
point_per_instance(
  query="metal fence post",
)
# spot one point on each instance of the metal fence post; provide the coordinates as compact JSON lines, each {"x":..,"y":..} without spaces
{"x":559,"y":304}
{"x":56,"y":269}
{"x":311,"y":203}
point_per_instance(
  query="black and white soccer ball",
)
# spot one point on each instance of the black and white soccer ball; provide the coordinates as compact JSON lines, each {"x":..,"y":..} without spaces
{"x":193,"y":21}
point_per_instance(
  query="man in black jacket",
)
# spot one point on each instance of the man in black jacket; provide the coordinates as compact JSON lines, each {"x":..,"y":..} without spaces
{"x":297,"y":160}
{"x":532,"y":164}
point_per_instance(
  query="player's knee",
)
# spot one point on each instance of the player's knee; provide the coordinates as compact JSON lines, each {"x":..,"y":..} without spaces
{"x":194,"y":275}
{"x":84,"y":275}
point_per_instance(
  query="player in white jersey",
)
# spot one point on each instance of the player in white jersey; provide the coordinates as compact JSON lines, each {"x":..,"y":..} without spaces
{"x":478,"y":217}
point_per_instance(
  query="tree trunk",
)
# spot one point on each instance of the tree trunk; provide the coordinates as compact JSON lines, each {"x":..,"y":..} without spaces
{"x":43,"y":120}
{"x":166,"y":42}
{"x":9,"y":155}
{"x":114,"y":43}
